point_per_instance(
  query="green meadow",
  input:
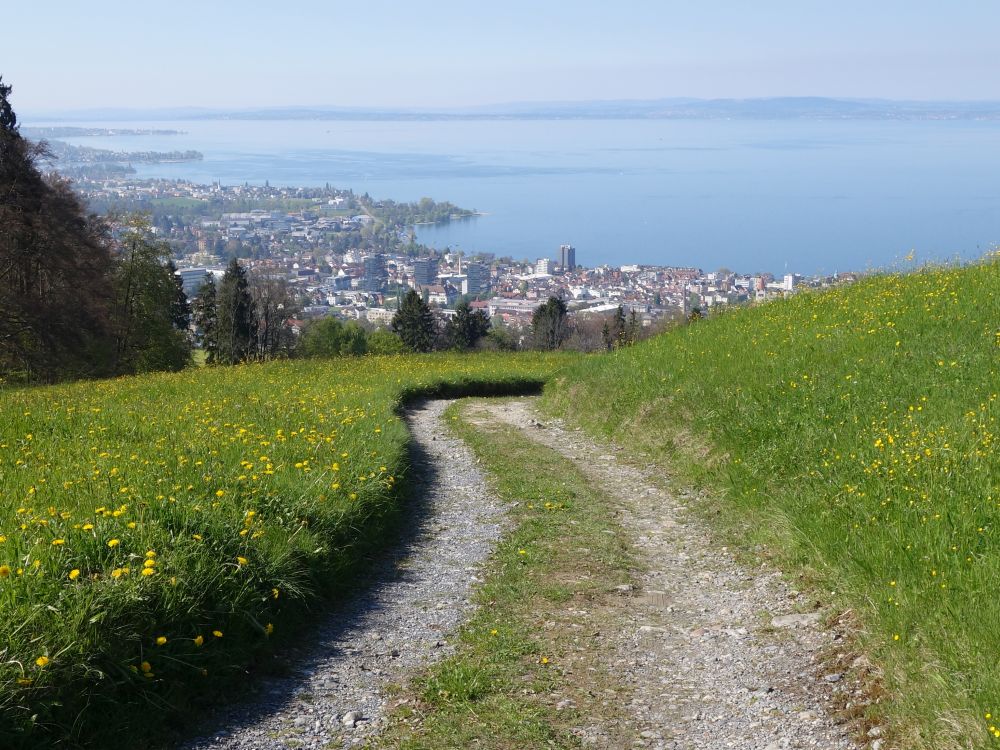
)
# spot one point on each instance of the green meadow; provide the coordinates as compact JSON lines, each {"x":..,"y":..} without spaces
{"x":852,"y":435}
{"x":157,"y":532}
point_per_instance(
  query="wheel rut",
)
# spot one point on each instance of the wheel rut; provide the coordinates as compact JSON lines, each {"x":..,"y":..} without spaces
{"x":714,"y":655}
{"x":334,"y":694}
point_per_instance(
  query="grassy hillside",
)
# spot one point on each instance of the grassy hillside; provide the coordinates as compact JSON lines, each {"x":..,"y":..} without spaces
{"x":155,"y":532}
{"x":854,"y":432}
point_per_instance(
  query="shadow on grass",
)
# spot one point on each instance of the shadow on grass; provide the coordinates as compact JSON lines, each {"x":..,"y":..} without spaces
{"x":331,"y":628}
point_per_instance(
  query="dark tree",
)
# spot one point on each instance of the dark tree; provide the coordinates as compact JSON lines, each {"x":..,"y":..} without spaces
{"x":206,"y":320}
{"x":273,"y":306}
{"x":180,"y":308}
{"x":634,"y":328}
{"x":237,"y":320}
{"x":414,"y":323}
{"x":55,"y":280}
{"x":467,"y":327}
{"x":613,"y":334}
{"x":146,"y":337}
{"x":8,"y":120}
{"x":548,"y":325}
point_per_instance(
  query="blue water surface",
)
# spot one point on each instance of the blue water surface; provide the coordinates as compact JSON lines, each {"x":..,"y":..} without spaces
{"x":803,"y":196}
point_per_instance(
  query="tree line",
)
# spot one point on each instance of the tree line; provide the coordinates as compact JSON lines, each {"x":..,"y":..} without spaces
{"x":80,"y":295}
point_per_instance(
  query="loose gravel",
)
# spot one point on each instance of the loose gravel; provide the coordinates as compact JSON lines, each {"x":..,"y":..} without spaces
{"x":334,"y":695}
{"x":714,"y":655}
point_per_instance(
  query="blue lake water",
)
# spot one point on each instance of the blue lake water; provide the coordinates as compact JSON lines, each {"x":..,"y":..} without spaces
{"x":804,"y":196}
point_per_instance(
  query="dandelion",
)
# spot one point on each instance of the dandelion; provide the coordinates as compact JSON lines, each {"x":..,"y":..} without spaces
{"x":4,"y":571}
{"x":42,"y":662}
{"x":113,"y":543}
{"x":217,"y":633}
{"x":242,"y":560}
{"x":74,"y":574}
{"x":268,"y":629}
{"x":58,"y":542}
{"x":161,"y":640}
{"x":199,"y":640}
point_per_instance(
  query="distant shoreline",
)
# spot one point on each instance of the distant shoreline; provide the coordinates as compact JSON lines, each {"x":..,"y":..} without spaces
{"x":773,"y":108}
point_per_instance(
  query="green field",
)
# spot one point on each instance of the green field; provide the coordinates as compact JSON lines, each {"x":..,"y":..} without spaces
{"x":157,"y":532}
{"x":853,"y":434}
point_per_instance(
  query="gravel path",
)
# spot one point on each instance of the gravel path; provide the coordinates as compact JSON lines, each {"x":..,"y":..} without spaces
{"x":334,"y":695}
{"x":715,"y":655}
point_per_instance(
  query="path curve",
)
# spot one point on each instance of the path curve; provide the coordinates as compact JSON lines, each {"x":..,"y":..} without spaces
{"x":394,"y":628}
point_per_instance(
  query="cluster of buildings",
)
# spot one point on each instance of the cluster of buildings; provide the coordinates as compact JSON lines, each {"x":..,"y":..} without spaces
{"x":367,"y":285}
{"x":313,"y":238}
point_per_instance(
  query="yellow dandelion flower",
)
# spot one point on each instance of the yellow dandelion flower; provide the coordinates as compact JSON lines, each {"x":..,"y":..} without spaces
{"x":42,"y":661}
{"x":161,"y":640}
{"x":199,"y":640}
{"x":4,"y":571}
{"x":74,"y":574}
{"x":217,"y":633}
{"x":58,"y":542}
{"x":114,"y":543}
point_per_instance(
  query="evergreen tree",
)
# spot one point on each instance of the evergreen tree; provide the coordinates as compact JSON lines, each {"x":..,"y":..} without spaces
{"x":414,"y":323}
{"x":237,"y":322}
{"x":549,"y":325}
{"x":467,"y":327}
{"x":55,"y":270}
{"x":633,"y":329}
{"x":613,"y":334}
{"x":180,"y":308}
{"x":206,"y":319}
{"x":8,"y":120}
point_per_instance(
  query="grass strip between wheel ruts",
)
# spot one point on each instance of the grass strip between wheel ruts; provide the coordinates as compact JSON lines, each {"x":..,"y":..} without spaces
{"x":525,"y":673}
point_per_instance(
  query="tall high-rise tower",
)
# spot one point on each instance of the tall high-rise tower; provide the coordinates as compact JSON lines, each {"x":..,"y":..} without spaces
{"x":567,"y":257}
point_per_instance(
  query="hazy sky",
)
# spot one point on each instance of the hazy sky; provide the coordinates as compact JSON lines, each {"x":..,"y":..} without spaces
{"x":63,"y":54}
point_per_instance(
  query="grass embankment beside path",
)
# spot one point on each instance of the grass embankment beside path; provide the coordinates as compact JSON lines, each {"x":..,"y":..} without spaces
{"x":524,"y":672}
{"x":853,"y":434}
{"x":157,"y":532}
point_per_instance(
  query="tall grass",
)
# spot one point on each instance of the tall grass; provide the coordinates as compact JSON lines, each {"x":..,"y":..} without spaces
{"x":156,"y":532}
{"x":855,"y":431}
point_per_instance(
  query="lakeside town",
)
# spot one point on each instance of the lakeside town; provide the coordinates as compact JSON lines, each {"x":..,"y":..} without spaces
{"x":353,"y":257}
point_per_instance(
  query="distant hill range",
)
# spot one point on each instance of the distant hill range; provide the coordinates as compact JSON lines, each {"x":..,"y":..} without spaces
{"x":779,"y":108}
